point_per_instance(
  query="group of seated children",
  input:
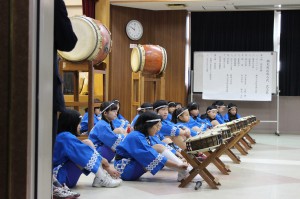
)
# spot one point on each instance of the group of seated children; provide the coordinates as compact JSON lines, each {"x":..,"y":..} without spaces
{"x":153,"y":140}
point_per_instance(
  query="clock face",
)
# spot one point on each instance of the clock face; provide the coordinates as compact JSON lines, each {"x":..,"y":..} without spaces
{"x":134,"y":30}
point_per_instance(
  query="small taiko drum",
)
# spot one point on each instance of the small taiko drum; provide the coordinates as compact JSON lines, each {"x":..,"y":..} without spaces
{"x":149,"y":59}
{"x":232,"y":126}
{"x":207,"y":141}
{"x":224,"y":131}
{"x":250,"y":119}
{"x":240,"y":124}
{"x":94,"y":41}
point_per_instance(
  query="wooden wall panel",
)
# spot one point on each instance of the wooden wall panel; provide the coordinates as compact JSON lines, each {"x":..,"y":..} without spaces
{"x":14,"y":68}
{"x":4,"y":97}
{"x":164,"y":28}
{"x":170,"y":34}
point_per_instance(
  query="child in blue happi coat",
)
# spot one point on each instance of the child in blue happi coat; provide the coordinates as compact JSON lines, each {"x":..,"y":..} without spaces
{"x":221,"y":109}
{"x":84,"y":121}
{"x":182,"y":117}
{"x":104,"y":135}
{"x":210,"y":117}
{"x":232,"y":113}
{"x":171,"y":109}
{"x":144,"y":107}
{"x":141,"y":152}
{"x":193,"y":108}
{"x":120,"y":121}
{"x":72,"y":157}
{"x":178,"y":134}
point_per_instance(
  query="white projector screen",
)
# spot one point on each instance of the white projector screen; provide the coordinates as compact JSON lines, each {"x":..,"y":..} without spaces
{"x":249,"y":76}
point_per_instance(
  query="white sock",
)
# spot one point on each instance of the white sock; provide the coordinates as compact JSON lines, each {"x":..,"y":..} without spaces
{"x":171,"y":156}
{"x":101,"y":172}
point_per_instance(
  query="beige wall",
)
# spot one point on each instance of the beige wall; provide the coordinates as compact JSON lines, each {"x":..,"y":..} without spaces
{"x":74,"y":7}
{"x":266,"y":111}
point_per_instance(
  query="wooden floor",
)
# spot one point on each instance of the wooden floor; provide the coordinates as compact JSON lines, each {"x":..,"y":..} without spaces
{"x":269,"y":171}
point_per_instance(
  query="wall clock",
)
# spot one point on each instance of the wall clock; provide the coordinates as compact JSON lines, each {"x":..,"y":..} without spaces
{"x":134,"y":30}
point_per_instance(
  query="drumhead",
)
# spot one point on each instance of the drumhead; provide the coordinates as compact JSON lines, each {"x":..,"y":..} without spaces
{"x":206,"y":134}
{"x":135,"y":59}
{"x":87,"y":40}
{"x":164,"y":60}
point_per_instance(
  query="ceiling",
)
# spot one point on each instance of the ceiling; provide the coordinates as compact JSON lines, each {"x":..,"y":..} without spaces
{"x":210,"y":5}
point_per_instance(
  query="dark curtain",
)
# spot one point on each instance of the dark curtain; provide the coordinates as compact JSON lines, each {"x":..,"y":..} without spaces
{"x":289,"y":81}
{"x":88,"y":8}
{"x":232,"y":31}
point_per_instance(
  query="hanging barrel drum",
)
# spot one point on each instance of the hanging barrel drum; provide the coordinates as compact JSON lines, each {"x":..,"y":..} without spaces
{"x":149,"y":59}
{"x":94,"y":41}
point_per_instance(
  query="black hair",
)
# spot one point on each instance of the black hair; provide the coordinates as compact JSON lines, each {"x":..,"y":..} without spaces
{"x":176,"y":113}
{"x":218,"y":103}
{"x":68,"y":121}
{"x":142,"y":126}
{"x":230,"y":105}
{"x":144,"y":107}
{"x":111,"y":107}
{"x":192,"y":106}
{"x":205,"y":115}
{"x":178,"y":103}
{"x":171,"y":104}
{"x":87,"y":109}
{"x":117,"y":102}
{"x":159,"y":103}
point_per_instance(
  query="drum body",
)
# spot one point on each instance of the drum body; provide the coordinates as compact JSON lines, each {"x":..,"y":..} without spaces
{"x":224,"y":131}
{"x":232,"y":127}
{"x":149,"y":59}
{"x":250,"y":119}
{"x":94,"y":41}
{"x":204,"y":142}
{"x":239,"y":124}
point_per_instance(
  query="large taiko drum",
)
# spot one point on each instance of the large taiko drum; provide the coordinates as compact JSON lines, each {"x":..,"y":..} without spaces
{"x":94,"y":41}
{"x":207,"y":141}
{"x":149,"y":59}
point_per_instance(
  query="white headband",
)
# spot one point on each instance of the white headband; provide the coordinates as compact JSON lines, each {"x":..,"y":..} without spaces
{"x":107,"y":107}
{"x":181,"y":113}
{"x":154,"y":120}
{"x":162,"y":106}
{"x":140,"y":108}
{"x":172,"y":103}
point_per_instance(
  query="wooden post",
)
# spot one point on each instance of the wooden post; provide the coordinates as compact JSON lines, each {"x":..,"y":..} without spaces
{"x":91,"y":96}
{"x":138,"y":89}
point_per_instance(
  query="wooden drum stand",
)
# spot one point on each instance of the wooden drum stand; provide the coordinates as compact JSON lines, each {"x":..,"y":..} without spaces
{"x":139,"y":83}
{"x":75,"y":68}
